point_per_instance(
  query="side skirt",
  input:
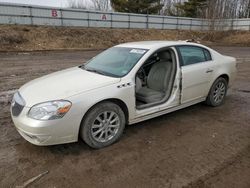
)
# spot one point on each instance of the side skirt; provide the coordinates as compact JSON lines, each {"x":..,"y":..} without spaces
{"x":166,"y":111}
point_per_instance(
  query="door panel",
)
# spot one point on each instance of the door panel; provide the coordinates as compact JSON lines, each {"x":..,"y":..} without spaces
{"x":195,"y":80}
{"x":197,"y":69}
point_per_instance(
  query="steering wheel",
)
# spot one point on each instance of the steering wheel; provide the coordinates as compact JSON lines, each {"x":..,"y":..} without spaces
{"x":142,"y":74}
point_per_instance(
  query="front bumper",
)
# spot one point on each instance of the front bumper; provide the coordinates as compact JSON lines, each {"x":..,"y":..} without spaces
{"x":44,"y":133}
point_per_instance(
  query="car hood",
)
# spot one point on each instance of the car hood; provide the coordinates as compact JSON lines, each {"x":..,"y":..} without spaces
{"x":63,"y":84}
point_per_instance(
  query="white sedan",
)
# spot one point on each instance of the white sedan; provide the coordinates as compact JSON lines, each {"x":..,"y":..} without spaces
{"x":125,"y":84}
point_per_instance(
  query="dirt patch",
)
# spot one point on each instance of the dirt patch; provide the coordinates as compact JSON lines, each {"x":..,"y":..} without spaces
{"x":28,"y":38}
{"x":233,"y":173}
{"x":6,"y":97}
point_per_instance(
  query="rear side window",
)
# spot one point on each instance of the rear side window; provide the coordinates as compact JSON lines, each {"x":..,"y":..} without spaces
{"x":193,"y":54}
{"x":207,"y":55}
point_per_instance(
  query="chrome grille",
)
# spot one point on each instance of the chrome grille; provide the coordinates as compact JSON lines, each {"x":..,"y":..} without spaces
{"x":17,"y":104}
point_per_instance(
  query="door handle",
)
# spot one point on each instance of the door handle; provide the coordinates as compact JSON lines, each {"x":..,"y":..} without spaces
{"x":209,"y":70}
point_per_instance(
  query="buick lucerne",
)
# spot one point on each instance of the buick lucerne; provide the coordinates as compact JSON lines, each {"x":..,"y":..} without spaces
{"x":125,"y":84}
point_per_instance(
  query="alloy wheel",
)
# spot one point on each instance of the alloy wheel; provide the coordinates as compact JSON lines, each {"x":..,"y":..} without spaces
{"x":219,"y":92}
{"x":105,"y":126}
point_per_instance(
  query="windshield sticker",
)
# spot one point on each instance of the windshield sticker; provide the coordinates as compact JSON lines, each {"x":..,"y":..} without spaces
{"x":137,"y":51}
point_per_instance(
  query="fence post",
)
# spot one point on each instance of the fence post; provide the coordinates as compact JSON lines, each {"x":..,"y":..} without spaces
{"x":163,"y":18}
{"x":202,"y":24}
{"x":61,"y":16}
{"x":177,"y":25}
{"x":88,"y":17}
{"x":129,"y":21}
{"x":111,"y":19}
{"x":191,"y":24}
{"x":147,"y":21}
{"x":31,"y":15}
{"x":232,"y":24}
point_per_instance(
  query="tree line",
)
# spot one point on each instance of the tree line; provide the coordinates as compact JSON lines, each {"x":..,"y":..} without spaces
{"x":210,"y":9}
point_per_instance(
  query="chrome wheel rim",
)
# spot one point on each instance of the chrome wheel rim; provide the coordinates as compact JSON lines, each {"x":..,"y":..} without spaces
{"x":105,"y":126}
{"x":219,"y":92}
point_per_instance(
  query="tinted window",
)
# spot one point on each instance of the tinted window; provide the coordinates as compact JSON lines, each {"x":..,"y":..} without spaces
{"x":192,"y":54}
{"x":207,"y":55}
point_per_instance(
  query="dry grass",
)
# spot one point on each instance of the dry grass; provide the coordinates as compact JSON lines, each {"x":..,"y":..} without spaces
{"x":27,"y":38}
{"x":11,"y":38}
{"x":237,"y":38}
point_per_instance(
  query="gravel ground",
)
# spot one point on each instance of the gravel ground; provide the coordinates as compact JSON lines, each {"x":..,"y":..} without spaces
{"x":198,"y":146}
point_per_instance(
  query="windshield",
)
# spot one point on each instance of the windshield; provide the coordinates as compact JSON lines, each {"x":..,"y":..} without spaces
{"x":116,"y":61}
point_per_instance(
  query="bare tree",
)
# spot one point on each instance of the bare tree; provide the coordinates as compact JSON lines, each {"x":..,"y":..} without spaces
{"x":103,"y":5}
{"x":77,"y":4}
{"x":214,"y":12}
{"x":226,"y":9}
{"x":170,"y":7}
{"x":212,"y":9}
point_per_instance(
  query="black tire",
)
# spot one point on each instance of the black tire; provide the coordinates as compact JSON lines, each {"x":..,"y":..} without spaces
{"x":86,"y":131}
{"x":211,"y":101}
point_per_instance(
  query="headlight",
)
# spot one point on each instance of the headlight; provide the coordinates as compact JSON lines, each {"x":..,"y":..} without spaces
{"x":49,"y":110}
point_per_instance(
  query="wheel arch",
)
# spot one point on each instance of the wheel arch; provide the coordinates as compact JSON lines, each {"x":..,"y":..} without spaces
{"x":225,"y":76}
{"x":220,"y":75}
{"x":119,"y":102}
{"x":122,"y":105}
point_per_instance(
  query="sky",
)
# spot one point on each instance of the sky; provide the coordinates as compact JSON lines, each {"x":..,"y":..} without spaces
{"x":55,"y":3}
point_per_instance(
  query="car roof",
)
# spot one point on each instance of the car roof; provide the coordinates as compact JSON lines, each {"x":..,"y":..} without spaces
{"x":155,"y":44}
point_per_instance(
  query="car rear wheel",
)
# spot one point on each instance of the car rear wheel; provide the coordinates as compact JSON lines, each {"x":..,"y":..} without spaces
{"x":217,"y":92}
{"x":103,"y":125}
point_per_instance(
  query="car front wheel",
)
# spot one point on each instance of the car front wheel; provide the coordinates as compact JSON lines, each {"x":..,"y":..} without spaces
{"x":103,"y":125}
{"x":217,"y":92}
